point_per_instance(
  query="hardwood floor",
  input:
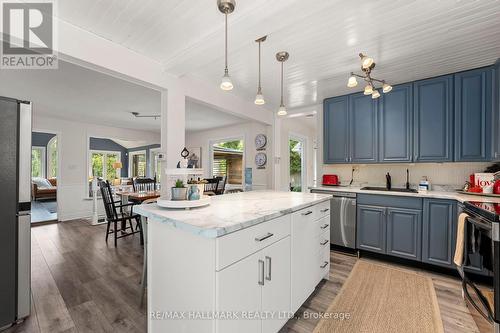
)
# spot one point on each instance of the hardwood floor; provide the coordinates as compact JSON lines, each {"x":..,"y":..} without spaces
{"x":80,"y":284}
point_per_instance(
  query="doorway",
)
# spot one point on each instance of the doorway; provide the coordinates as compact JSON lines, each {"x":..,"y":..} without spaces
{"x":44,"y":176}
{"x":297,"y":163}
{"x":227,"y":161}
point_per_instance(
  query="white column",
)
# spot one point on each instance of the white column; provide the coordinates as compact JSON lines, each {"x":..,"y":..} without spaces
{"x":173,"y":129}
{"x":276,"y":153}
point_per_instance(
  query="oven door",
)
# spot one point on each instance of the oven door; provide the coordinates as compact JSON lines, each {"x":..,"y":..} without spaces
{"x":479,"y":243}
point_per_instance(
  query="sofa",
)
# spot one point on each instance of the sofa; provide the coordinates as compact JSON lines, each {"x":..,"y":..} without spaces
{"x":43,"y":188}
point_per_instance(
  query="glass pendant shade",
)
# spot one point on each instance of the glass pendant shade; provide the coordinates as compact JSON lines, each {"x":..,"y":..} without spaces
{"x":352,"y":82}
{"x":375,"y":94}
{"x":368,"y":90}
{"x":259,"y":99}
{"x":366,"y":62}
{"x":386,"y":88}
{"x":282,"y":110}
{"x":226,"y":83}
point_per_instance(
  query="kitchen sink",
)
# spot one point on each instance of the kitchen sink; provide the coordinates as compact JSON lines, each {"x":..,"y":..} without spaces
{"x":374,"y":188}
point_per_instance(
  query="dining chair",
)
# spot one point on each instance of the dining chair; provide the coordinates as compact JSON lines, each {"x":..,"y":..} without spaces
{"x":211,"y":186}
{"x":144,"y":184}
{"x":144,"y":226}
{"x":221,"y":185}
{"x":115,"y":214}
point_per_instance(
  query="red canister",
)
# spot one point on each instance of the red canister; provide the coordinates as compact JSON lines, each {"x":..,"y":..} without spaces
{"x":496,"y":187}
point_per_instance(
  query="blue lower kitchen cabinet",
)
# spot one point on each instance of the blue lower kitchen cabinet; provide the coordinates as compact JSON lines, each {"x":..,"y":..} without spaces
{"x":404,"y":233}
{"x":363,"y":135}
{"x":371,"y":228}
{"x":395,"y":124}
{"x":336,"y":130}
{"x":433,"y":119}
{"x":496,"y":111}
{"x":439,"y":232}
{"x":473,"y":107}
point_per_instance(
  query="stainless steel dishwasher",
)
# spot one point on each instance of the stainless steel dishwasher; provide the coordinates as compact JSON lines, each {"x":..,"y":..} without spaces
{"x":342,"y":218}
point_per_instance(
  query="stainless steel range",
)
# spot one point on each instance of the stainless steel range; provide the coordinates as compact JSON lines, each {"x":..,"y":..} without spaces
{"x":482,"y":234}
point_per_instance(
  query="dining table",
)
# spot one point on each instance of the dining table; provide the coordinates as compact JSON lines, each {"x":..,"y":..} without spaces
{"x":139,"y":196}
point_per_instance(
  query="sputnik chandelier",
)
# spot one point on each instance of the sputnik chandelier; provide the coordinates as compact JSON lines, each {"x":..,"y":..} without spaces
{"x":367,"y":65}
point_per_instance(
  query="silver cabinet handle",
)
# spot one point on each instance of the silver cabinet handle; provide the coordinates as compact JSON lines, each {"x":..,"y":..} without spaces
{"x":307,"y":213}
{"x":261,"y":272}
{"x":261,"y":238}
{"x":268,"y":261}
{"x":324,"y":242}
{"x":324,"y":264}
{"x":325,"y":210}
{"x":324,"y":226}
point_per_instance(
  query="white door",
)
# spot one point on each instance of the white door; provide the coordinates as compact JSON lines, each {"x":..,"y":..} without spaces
{"x":239,"y":289}
{"x":276,"y":289}
{"x":304,"y":254}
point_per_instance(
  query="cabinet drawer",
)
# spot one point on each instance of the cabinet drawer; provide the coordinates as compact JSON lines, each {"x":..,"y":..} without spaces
{"x":389,"y":201}
{"x":323,"y":240}
{"x":323,"y":264}
{"x":237,"y":245}
{"x":322,"y":209}
{"x":322,"y":225}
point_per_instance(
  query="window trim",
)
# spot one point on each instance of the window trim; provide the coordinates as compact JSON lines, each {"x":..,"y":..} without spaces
{"x":47,"y":156}
{"x":211,"y":143}
{"x":43,"y":156}
{"x":130,"y":160}
{"x":152,"y":162}
{"x":105,"y":153}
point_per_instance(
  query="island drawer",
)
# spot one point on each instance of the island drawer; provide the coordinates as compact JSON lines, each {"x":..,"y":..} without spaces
{"x":322,"y":224}
{"x":322,"y":209}
{"x":240,"y":244}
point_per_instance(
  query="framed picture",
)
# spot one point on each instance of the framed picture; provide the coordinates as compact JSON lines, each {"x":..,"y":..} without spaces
{"x":194,"y":157}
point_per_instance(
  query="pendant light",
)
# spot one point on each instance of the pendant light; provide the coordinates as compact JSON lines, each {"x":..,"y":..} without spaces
{"x":352,"y":81}
{"x":226,"y":7}
{"x":367,"y":66}
{"x":259,"y":98}
{"x":282,"y":57}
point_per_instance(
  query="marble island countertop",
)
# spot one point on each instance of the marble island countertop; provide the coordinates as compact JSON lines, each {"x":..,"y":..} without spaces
{"x":452,"y":195}
{"x":231,"y":212}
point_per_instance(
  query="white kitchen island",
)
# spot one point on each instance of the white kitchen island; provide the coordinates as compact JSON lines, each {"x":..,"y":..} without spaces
{"x":243,"y":264}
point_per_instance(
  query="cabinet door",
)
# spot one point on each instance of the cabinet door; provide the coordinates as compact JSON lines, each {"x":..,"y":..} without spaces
{"x":439,"y":232}
{"x":433,"y":119}
{"x":473,"y":104}
{"x":363,"y":136}
{"x":335,"y":130}
{"x":304,"y":253}
{"x":496,"y":111}
{"x":238,"y":289}
{"x":395,"y":130}
{"x":276,"y":289}
{"x":404,"y":232}
{"x":371,"y":228}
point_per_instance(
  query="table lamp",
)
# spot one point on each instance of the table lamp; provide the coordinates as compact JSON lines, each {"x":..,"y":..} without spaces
{"x":116,"y":166}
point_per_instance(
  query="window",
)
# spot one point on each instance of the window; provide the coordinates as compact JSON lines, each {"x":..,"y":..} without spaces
{"x":52,"y":158}
{"x":155,"y":165}
{"x":101,"y":165}
{"x":37,"y":161}
{"x":137,"y":164}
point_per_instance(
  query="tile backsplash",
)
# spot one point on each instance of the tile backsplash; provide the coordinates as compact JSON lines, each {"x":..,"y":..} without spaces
{"x":451,"y":175}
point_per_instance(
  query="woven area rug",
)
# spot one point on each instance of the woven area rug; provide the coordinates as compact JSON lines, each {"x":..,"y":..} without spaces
{"x":377,"y":298}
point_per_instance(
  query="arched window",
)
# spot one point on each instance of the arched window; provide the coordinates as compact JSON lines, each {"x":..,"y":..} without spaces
{"x":52,"y":158}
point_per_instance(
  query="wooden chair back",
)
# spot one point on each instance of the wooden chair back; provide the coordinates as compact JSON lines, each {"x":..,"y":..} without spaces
{"x":107,"y":199}
{"x":211,"y":185}
{"x":144,"y":184}
{"x":221,"y":185}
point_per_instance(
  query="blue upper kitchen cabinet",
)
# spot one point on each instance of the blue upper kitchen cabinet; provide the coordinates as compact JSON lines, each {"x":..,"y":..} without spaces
{"x":496,"y":111}
{"x":395,"y":129}
{"x":473,"y":105}
{"x":363,"y":135}
{"x":433,"y":119}
{"x":336,"y":130}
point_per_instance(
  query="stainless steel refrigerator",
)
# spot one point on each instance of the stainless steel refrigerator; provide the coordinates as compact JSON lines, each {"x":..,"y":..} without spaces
{"x":15,"y":206}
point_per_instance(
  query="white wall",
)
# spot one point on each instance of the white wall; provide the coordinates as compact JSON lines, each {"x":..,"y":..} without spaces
{"x":298,"y":127}
{"x":73,"y":173}
{"x":261,"y":177}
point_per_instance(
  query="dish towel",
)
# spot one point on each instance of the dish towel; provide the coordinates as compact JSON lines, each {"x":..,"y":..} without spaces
{"x":459,"y":248}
